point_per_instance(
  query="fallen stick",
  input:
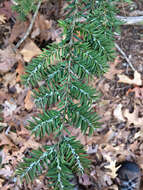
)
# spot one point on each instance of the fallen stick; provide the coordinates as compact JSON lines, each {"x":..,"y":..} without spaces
{"x":130,"y":20}
{"x":30,"y":26}
{"x":126,"y":20}
{"x":124,"y":55}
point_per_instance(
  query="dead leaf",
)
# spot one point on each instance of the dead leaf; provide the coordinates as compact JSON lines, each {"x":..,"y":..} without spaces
{"x":113,"y":187}
{"x":113,"y":70}
{"x":3,"y":96}
{"x":9,"y":108}
{"x":7,"y":187}
{"x":7,"y":11}
{"x":125,"y":79}
{"x":29,"y":103}
{"x":20,"y":70}
{"x":118,"y":113}
{"x":138,"y":134}
{"x":4,"y":140}
{"x":35,"y":33}
{"x":30,"y":50}
{"x":42,"y":28}
{"x":112,"y":166}
{"x":101,"y":178}
{"x":13,"y":154}
{"x":18,"y":30}
{"x":84,"y":180}
{"x":2,"y":19}
{"x":9,"y":79}
{"x":7,"y":59}
{"x":138,"y":92}
{"x":17,"y":140}
{"x":56,"y":35}
{"x":92,"y":149}
{"x":1,"y":184}
{"x":6,"y":172}
{"x":133,"y":117}
{"x":140,"y":161}
{"x":30,"y":143}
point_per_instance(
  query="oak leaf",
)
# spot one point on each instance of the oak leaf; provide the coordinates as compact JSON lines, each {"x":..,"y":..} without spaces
{"x":18,"y":30}
{"x":2,"y":19}
{"x":138,"y":92}
{"x":20,"y":71}
{"x":118,"y":113}
{"x":112,"y":166}
{"x":30,"y":50}
{"x":7,"y":59}
{"x":125,"y":79}
{"x":29,"y":104}
{"x":42,"y":28}
{"x":133,"y":117}
{"x":113,"y":70}
{"x":9,"y":108}
{"x":6,"y":172}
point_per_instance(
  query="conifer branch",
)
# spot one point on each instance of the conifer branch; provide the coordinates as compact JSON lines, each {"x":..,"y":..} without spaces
{"x":65,"y":69}
{"x":45,"y":123}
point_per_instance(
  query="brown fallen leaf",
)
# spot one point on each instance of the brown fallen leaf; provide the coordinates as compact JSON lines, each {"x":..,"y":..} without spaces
{"x":138,"y":92}
{"x":133,"y":117}
{"x":14,"y":138}
{"x":42,"y":28}
{"x":7,"y":59}
{"x":1,"y":184}
{"x":7,"y":11}
{"x":9,"y":79}
{"x":6,"y":172}
{"x":84,"y":180}
{"x":140,"y":161}
{"x":3,"y":96}
{"x":113,"y":70}
{"x":18,"y":30}
{"x":30,"y":50}
{"x":29,"y":104}
{"x":4,"y":140}
{"x":112,"y":166}
{"x":2,"y":19}
{"x":7,"y":187}
{"x":14,"y":154}
{"x":30,"y":143}
{"x":9,"y":108}
{"x":125,"y":79}
{"x":20,"y":70}
{"x":101,"y":178}
{"x":118,"y":113}
{"x":113,"y":187}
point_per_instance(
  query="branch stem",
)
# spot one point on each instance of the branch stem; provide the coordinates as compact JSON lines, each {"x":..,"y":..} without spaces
{"x":30,"y":26}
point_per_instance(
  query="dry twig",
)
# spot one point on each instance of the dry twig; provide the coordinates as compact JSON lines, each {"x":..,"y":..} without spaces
{"x":131,"y":20}
{"x":124,"y":55}
{"x":30,"y":26}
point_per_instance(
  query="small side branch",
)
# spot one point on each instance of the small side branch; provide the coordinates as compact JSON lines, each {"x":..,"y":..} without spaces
{"x":131,"y":20}
{"x":30,"y":26}
{"x":124,"y":55}
{"x":126,"y":20}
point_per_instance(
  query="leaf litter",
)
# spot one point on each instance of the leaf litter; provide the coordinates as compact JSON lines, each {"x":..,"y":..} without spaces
{"x":120,"y":137}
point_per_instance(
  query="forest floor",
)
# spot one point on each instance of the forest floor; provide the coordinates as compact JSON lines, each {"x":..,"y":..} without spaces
{"x":120,"y":107}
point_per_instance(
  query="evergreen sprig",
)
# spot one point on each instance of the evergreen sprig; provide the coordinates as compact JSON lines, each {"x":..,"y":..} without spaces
{"x":61,"y":160}
{"x":64,"y":94}
{"x":23,"y":7}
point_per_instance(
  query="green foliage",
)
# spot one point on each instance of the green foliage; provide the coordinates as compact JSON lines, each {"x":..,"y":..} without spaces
{"x":23,"y":7}
{"x":64,"y":94}
{"x":61,"y":159}
{"x":45,"y":123}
